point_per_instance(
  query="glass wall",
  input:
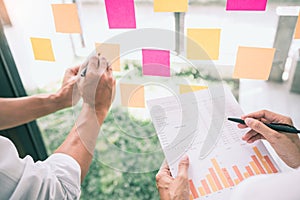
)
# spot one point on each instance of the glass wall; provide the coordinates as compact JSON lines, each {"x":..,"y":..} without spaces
{"x":128,"y":136}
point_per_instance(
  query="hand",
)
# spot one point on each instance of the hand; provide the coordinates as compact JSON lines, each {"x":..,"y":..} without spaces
{"x":286,"y":145}
{"x":170,"y":188}
{"x":68,"y":95}
{"x":97,"y":88}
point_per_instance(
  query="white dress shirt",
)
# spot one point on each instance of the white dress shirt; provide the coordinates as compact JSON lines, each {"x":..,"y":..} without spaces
{"x":281,"y":186}
{"x":58,"y":177}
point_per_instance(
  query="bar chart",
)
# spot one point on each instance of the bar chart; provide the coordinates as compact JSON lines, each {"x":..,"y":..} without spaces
{"x":227,"y":159}
{"x":218,"y":178}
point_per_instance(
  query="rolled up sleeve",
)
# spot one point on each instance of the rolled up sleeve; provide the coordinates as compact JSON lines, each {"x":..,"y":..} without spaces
{"x":58,"y":177}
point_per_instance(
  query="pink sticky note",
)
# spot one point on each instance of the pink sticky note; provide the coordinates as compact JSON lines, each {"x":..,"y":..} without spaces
{"x":120,"y":14}
{"x":246,"y":5}
{"x":156,"y":62}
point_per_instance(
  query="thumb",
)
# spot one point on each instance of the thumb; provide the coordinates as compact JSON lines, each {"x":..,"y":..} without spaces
{"x":183,"y":166}
{"x":260,"y":128}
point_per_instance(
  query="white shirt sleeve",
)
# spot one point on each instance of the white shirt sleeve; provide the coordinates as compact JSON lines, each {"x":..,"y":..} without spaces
{"x":58,"y":177}
{"x":274,"y":186}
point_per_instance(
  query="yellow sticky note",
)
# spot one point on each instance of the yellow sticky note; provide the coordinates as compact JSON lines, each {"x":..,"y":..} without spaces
{"x":190,"y":88}
{"x":132,"y":95}
{"x":111,"y":52}
{"x":66,"y":18}
{"x":253,"y":63}
{"x":170,"y":5}
{"x":203,"y":44}
{"x":42,"y":49}
{"x":297,"y":30}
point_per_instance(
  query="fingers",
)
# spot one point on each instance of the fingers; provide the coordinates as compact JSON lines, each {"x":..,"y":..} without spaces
{"x":183,"y":167}
{"x":90,"y":65}
{"x":164,"y":168}
{"x":103,"y":65}
{"x":93,"y":65}
{"x":163,"y":177}
{"x":263,"y":114}
{"x":83,"y":66}
{"x":72,"y":71}
{"x":109,"y":70}
{"x":242,"y":126}
{"x":254,"y":138}
{"x":251,"y":135}
{"x":75,"y":70}
{"x":113,"y":91}
{"x":261,"y":128}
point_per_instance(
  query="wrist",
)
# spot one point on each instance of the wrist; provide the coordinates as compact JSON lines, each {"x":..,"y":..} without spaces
{"x":58,"y":101}
{"x":100,"y":112}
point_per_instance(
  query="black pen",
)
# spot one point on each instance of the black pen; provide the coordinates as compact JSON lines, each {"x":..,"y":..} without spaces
{"x":83,"y":73}
{"x":275,"y":126}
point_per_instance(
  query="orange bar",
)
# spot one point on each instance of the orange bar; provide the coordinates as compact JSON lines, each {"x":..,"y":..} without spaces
{"x":237,"y":181}
{"x":220,"y":173}
{"x":205,"y":186}
{"x":191,"y":197}
{"x":225,"y":172}
{"x":193,"y":189}
{"x":201,"y":190}
{"x":246,"y":175}
{"x":273,"y":168}
{"x":258,"y":164}
{"x":237,"y":172}
{"x":254,"y":167}
{"x":262,"y":159}
{"x":214,"y":176}
{"x":211,"y":183}
{"x":249,"y":170}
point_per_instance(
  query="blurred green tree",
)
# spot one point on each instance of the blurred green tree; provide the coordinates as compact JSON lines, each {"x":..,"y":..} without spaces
{"x":103,"y":182}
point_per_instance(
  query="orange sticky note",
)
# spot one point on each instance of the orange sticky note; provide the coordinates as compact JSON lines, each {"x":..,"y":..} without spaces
{"x":190,"y":88}
{"x":132,"y":95}
{"x":203,"y":44}
{"x":170,"y":5}
{"x":111,"y":52}
{"x":297,"y":30}
{"x":66,"y":18}
{"x":254,"y":63}
{"x":42,"y":49}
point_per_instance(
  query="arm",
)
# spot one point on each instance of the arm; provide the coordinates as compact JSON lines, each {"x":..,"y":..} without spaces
{"x":17,"y":111}
{"x":58,"y":177}
{"x":170,"y":188}
{"x":97,"y":96}
{"x":286,"y":145}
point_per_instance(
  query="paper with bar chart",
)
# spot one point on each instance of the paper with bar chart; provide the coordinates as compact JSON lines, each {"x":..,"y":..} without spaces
{"x":230,"y":161}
